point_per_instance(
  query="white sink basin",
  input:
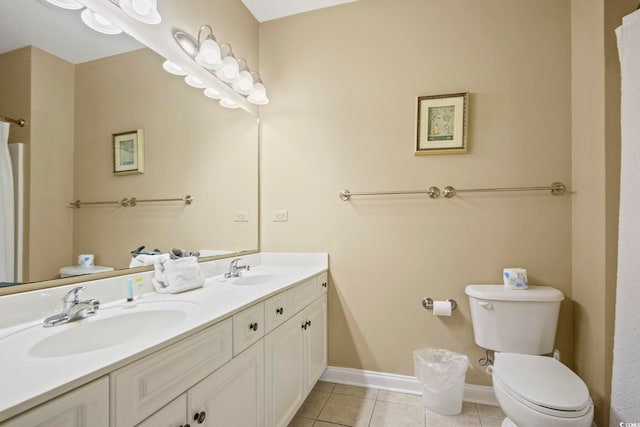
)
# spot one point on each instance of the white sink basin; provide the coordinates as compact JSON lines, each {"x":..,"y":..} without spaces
{"x":108,"y":328}
{"x":256,"y":279}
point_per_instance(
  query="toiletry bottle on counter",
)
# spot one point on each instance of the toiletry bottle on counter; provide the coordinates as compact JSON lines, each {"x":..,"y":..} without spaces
{"x":129,"y":289}
{"x":139,"y":288}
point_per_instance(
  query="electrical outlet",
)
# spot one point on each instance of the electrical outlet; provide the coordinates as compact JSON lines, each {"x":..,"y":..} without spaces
{"x":241,"y":216}
{"x":280,"y":216}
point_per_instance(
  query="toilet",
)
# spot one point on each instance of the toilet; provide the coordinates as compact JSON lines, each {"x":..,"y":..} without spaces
{"x":520,"y":326}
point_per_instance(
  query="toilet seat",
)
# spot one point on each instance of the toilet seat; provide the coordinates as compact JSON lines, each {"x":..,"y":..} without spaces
{"x":542,"y":383}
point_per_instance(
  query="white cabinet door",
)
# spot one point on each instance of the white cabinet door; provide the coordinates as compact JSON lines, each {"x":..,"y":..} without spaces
{"x":172,"y":415}
{"x":86,"y":406}
{"x":315,"y":341}
{"x":233,"y":395}
{"x":284,"y":372}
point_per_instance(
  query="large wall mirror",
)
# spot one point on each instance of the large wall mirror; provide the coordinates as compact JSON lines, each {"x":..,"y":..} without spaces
{"x":76,"y":89}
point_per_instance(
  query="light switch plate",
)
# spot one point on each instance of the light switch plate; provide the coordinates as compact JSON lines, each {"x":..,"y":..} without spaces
{"x":280,"y":216}
{"x":241,"y":216}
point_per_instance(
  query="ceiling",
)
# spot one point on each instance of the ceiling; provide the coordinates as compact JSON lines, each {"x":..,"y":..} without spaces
{"x":61,"y":32}
{"x":266,"y":10}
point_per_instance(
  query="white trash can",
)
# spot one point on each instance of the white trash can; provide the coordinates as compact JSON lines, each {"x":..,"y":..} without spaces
{"x":441,"y":373}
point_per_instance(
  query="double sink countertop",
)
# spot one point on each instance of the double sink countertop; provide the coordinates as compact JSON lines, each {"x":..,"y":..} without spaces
{"x":38,"y":363}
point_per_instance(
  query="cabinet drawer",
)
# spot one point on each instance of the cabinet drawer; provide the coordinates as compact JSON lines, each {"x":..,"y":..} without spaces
{"x":322,"y":283}
{"x":302,"y":295}
{"x":276,"y":311}
{"x":143,"y":387}
{"x":248,"y":327}
{"x":86,"y":406}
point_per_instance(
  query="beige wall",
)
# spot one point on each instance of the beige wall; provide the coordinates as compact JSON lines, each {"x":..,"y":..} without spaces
{"x":343,"y":85}
{"x":51,"y":165}
{"x":596,"y":174}
{"x":39,"y":88}
{"x":192,"y":146}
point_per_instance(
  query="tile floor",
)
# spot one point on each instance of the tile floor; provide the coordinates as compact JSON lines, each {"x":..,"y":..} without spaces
{"x":336,"y":405}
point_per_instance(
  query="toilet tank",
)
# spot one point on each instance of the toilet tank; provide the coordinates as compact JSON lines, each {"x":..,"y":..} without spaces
{"x":515,"y":321}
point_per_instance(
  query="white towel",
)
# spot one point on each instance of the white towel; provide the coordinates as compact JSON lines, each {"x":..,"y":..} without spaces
{"x":6,"y":209}
{"x":145,"y":260}
{"x":177,"y":275}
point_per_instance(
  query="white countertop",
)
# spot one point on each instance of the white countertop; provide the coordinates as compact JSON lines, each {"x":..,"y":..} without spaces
{"x":28,"y":380}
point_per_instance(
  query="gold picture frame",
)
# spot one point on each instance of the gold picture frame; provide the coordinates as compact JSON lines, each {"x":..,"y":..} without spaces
{"x":128,"y":152}
{"x":442,"y":124}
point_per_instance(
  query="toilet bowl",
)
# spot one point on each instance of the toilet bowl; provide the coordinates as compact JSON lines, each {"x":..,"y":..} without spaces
{"x":539,"y":391}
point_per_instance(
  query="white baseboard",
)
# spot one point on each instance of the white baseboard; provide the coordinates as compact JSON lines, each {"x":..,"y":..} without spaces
{"x":401,"y":383}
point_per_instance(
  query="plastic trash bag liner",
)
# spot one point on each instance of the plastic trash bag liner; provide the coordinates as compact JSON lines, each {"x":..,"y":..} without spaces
{"x":439,"y":369}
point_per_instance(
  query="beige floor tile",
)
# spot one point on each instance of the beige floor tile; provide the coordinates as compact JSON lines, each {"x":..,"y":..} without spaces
{"x":491,"y":422}
{"x":323,"y":424}
{"x":404,"y":398}
{"x":324,"y":386}
{"x":388,"y":414}
{"x":489,"y":411}
{"x":463,"y":420}
{"x":347,"y":410}
{"x":354,"y":390}
{"x":301,"y":422}
{"x":313,"y":404}
{"x":470,"y":408}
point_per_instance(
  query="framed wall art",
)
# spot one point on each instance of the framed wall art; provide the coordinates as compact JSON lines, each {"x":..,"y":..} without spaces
{"x":128,"y":152}
{"x":442,"y":124}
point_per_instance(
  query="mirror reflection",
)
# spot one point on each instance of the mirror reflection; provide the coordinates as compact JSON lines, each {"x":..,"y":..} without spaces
{"x":73,"y":108}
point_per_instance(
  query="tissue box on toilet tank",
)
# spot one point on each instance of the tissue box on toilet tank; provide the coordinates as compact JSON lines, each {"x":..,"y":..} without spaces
{"x":515,"y":278}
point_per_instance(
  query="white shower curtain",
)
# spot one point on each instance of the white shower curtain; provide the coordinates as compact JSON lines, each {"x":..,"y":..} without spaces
{"x":6,"y":208}
{"x":625,"y":385}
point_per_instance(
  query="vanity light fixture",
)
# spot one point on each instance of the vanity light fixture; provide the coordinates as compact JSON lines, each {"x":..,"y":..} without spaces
{"x":173,"y":68}
{"x":145,"y":11}
{"x":212,"y":93}
{"x":194,"y":82}
{"x":259,"y":94}
{"x":243,"y":84}
{"x":98,"y":23}
{"x":227,"y":103}
{"x":219,"y":60}
{"x":67,"y":4}
{"x":208,"y":52}
{"x":230,"y":69}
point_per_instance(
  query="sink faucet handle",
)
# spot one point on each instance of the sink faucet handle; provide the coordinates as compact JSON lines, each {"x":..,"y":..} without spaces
{"x":73,"y":296}
{"x":234,"y":262}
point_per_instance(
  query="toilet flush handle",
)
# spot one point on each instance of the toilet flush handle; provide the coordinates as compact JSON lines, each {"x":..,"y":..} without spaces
{"x":485,"y":305}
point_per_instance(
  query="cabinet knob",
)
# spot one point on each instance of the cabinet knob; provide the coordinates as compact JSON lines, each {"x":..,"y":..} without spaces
{"x":186,"y":425}
{"x":280,"y":310}
{"x":253,"y":326}
{"x":199,"y":417}
{"x":304,"y":326}
{"x":308,"y":323}
{"x":324,"y":284}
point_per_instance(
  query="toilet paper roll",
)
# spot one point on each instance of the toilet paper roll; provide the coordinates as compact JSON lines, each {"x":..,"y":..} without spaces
{"x":442,"y":308}
{"x":85,"y":260}
{"x":515,"y":278}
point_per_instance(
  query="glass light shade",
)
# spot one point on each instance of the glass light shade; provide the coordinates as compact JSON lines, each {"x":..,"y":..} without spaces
{"x":209,"y":55}
{"x":212,"y":93}
{"x":194,"y":82}
{"x":98,"y":23}
{"x":259,"y":95}
{"x":227,"y":103}
{"x":173,"y":68}
{"x":145,"y":11}
{"x":67,"y":4}
{"x":243,"y":84}
{"x":230,"y":69}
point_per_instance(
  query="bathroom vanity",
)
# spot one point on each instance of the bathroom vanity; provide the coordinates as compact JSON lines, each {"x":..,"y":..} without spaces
{"x":237,"y":352}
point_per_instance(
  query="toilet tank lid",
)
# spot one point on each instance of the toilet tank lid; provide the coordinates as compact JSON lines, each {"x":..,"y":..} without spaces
{"x":502,"y":293}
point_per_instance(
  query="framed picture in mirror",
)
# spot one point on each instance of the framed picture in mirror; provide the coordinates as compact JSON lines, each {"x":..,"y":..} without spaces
{"x":442,"y":124}
{"x":128,"y":152}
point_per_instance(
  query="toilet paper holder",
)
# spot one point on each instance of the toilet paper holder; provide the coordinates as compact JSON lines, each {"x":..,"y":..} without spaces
{"x":428,"y":303}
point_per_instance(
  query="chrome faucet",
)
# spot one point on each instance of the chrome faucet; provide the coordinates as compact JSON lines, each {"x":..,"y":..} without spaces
{"x":235,"y":269}
{"x":73,"y":308}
